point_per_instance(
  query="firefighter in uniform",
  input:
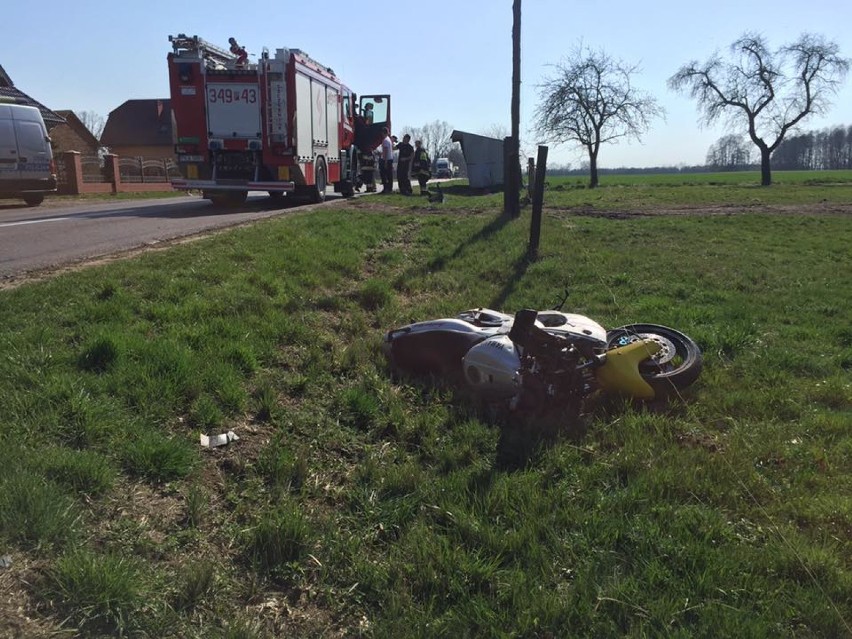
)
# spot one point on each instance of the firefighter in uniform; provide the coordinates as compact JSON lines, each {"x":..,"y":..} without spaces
{"x":240,"y":52}
{"x":368,"y":159}
{"x":403,"y":167}
{"x":421,"y":168}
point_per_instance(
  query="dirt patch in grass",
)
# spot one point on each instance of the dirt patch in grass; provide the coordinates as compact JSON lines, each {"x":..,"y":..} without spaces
{"x":18,"y":618}
{"x":296,"y":615}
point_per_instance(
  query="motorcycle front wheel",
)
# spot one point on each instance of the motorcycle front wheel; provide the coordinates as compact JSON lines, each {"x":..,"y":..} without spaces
{"x":676,"y":366}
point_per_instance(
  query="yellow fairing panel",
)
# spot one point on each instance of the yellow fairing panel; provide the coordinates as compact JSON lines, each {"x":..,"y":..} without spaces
{"x":620,"y":374}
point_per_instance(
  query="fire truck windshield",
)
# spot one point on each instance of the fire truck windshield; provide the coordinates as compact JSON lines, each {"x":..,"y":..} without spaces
{"x":378,"y":106}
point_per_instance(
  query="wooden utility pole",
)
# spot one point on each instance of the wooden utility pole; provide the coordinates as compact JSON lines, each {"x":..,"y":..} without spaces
{"x":511,"y":190}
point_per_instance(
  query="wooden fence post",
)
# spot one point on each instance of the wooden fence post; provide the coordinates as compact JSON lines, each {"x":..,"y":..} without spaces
{"x":537,"y":203}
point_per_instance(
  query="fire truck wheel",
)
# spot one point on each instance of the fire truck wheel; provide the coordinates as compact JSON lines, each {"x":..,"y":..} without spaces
{"x":320,"y":183}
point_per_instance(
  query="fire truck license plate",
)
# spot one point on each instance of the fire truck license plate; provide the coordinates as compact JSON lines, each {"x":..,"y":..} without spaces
{"x":233,"y":110}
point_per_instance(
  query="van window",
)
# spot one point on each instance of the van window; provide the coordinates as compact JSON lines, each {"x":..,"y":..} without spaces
{"x":7,"y":134}
{"x":31,"y":142}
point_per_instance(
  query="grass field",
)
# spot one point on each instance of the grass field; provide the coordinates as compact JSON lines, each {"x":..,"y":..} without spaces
{"x":729,"y":178}
{"x":353,"y":505}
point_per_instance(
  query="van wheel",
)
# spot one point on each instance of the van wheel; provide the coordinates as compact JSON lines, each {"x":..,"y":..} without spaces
{"x":34,"y":200}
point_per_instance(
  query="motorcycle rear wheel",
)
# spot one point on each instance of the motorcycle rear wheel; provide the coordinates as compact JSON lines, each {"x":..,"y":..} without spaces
{"x":674,"y":368}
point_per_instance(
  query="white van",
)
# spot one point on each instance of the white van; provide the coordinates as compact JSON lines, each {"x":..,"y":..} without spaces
{"x":26,"y":160}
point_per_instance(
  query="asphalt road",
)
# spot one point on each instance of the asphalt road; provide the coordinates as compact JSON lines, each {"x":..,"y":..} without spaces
{"x":56,"y":234}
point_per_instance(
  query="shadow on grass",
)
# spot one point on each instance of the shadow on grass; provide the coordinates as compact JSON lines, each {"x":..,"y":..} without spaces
{"x":523,"y":440}
{"x":440,"y":262}
{"x":516,"y":273}
{"x":465,"y":190}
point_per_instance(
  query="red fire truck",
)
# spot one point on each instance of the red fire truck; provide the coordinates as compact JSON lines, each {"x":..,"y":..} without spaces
{"x":285,"y":124}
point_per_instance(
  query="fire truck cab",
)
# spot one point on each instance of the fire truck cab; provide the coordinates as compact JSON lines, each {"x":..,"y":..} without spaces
{"x":285,"y":124}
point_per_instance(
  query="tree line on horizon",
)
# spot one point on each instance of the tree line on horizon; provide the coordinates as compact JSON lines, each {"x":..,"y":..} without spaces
{"x":828,"y":149}
{"x":825,"y":150}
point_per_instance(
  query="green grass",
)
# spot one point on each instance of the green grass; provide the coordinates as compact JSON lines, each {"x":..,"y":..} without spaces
{"x":733,"y":191}
{"x":100,"y":593}
{"x":726,"y":179}
{"x":353,"y":503}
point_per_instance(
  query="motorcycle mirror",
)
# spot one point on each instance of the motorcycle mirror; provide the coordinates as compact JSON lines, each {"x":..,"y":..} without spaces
{"x":559,"y":306}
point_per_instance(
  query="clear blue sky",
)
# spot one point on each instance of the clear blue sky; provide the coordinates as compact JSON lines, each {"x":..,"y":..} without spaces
{"x":450,"y":61}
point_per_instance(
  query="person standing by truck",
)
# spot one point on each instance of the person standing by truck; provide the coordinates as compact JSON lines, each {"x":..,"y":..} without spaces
{"x":386,"y":162}
{"x":422,"y":167}
{"x":403,"y":165}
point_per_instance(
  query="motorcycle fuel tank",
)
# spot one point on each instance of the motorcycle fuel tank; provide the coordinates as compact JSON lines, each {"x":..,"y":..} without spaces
{"x":572,"y":324}
{"x":491,"y":367}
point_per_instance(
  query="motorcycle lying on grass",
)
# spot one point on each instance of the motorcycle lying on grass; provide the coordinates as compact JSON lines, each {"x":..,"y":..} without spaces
{"x":539,"y":363}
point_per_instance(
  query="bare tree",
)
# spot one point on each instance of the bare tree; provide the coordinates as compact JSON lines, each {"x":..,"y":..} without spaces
{"x":769,"y":92}
{"x":456,"y":156}
{"x":435,"y":136}
{"x":591,"y":101}
{"x":526,"y":148}
{"x":495,"y":130}
{"x":729,"y":153}
{"x":92,"y":121}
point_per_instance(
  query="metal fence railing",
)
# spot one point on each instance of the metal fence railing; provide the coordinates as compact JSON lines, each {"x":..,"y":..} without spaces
{"x":145,"y":170}
{"x":93,"y":169}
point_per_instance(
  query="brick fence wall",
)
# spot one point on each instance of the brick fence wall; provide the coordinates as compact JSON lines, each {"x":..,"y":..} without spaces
{"x":78,"y":174}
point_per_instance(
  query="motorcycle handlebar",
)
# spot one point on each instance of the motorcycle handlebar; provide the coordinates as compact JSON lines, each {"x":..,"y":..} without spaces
{"x":522,"y":326}
{"x":532,"y":338}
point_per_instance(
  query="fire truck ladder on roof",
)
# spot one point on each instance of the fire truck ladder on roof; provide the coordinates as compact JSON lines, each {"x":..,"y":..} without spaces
{"x":184,"y":43}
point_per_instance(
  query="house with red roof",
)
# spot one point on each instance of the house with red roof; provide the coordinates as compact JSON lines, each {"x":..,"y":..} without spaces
{"x":73,"y":135}
{"x":140,"y":128}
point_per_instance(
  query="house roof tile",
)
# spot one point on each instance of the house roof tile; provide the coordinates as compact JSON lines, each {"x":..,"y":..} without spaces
{"x":8,"y":92}
{"x":139,"y":123}
{"x":82,"y":130}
